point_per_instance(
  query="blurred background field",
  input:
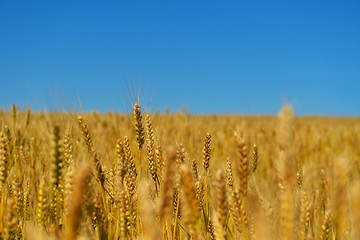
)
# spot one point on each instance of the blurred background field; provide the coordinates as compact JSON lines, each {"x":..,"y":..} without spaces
{"x":316,"y":160}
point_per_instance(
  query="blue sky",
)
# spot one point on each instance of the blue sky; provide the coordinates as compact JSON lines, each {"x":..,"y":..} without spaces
{"x":245,"y":57}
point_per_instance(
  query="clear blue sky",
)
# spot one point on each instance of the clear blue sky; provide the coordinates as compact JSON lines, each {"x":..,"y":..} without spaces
{"x":246,"y":57}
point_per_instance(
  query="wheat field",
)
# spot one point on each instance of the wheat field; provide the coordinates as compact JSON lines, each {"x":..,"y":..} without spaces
{"x":178,"y":176}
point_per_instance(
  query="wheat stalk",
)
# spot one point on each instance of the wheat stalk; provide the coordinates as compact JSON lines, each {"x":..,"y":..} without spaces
{"x":138,"y":126}
{"x":242,"y":151}
{"x":207,"y":152}
{"x":91,"y":150}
